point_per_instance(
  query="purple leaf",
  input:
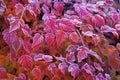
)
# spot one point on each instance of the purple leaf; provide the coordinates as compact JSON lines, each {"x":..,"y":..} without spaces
{"x":38,"y":57}
{"x":27,"y":46}
{"x":74,"y":69}
{"x":16,"y":44}
{"x":63,"y":67}
{"x":37,"y":40}
{"x":19,"y":8}
{"x":36,"y":72}
{"x":100,"y":77}
{"x":52,"y":68}
{"x":21,"y":77}
{"x":26,"y":61}
{"x":59,"y":6}
{"x":82,"y":54}
{"x":66,"y":24}
{"x":74,"y":37}
{"x":98,"y":66}
{"x":70,"y":57}
{"x":47,"y":58}
{"x":9,"y":37}
{"x":87,"y":68}
{"x":26,"y":30}
{"x":72,"y":48}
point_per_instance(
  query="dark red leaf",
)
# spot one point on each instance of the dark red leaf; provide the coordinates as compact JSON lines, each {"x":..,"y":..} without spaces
{"x":26,"y":61}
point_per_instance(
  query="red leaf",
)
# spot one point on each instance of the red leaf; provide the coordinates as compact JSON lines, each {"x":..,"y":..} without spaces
{"x":19,"y":8}
{"x":98,"y":66}
{"x":70,"y":57}
{"x":15,"y":24}
{"x":74,"y":37}
{"x":9,"y":37}
{"x":3,"y":74}
{"x":63,"y":67}
{"x":82,"y":54}
{"x":115,"y":63}
{"x":60,"y":37}
{"x":37,"y":40}
{"x":26,"y":61}
{"x":66,"y":24}
{"x":36,"y":72}
{"x":74,"y":69}
{"x":49,"y":38}
{"x":27,"y":46}
{"x":98,"y":20}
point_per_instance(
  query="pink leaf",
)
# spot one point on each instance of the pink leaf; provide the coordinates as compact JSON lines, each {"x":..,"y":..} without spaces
{"x":70,"y":57}
{"x":74,"y":69}
{"x":66,"y":24}
{"x":98,"y":20}
{"x":98,"y":66}
{"x":82,"y":54}
{"x":63,"y":67}
{"x":50,"y":38}
{"x":83,"y":13}
{"x":115,"y":16}
{"x":38,"y":57}
{"x":36,"y":72}
{"x":19,"y":8}
{"x":74,"y":37}
{"x":60,"y":37}
{"x":26,"y":30}
{"x":21,"y":77}
{"x":3,"y":73}
{"x":47,"y":58}
{"x":100,"y":77}
{"x":26,"y":61}
{"x":95,"y":55}
{"x":87,"y":68}
{"x":9,"y":37}
{"x":107,"y":29}
{"x":52,"y":68}
{"x":37,"y":40}
{"x":27,"y":46}
{"x":72,"y":48}
{"x":59,"y":6}
{"x":14,"y":25}
{"x":16,"y":44}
